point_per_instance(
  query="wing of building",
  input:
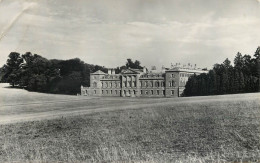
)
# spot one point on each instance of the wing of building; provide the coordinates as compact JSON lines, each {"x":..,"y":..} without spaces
{"x":140,"y":82}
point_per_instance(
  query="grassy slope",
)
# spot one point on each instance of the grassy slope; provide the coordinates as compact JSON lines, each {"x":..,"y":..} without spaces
{"x":183,"y":132}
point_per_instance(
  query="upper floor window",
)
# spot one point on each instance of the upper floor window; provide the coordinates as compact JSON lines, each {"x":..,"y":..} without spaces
{"x":146,"y":84}
{"x":173,"y":83}
{"x":162,"y":84}
{"x":157,"y":84}
{"x":173,"y":75}
{"x":94,"y":84}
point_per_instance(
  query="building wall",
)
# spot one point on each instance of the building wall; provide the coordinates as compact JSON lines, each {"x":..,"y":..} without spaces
{"x":171,"y":83}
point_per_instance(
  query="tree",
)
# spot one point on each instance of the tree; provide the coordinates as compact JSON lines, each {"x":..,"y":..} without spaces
{"x":239,"y":61}
{"x":134,"y":65}
{"x":257,"y":66}
{"x":12,"y":71}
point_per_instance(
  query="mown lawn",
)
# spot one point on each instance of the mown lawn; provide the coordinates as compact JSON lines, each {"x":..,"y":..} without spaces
{"x":183,"y":132}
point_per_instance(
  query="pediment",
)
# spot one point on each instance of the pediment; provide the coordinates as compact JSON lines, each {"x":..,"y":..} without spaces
{"x":129,"y":71}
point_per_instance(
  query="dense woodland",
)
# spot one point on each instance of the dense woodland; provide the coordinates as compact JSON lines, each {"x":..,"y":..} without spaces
{"x":243,"y":77}
{"x":36,"y":73}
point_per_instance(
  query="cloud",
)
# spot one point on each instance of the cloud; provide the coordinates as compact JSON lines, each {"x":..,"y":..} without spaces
{"x":106,"y":33}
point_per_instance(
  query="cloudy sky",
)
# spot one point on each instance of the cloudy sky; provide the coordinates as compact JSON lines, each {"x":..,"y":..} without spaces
{"x":107,"y":32}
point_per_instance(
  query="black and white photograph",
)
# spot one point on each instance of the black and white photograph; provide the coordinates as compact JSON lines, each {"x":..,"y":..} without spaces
{"x":130,"y":81}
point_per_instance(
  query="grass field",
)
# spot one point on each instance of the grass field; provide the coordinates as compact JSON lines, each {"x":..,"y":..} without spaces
{"x":81,"y":129}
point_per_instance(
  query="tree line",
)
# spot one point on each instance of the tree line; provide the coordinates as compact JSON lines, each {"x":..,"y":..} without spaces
{"x":243,"y":77}
{"x":36,"y":73}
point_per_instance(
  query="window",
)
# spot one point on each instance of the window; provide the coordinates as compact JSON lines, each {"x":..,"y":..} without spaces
{"x":141,"y":92}
{"x":172,"y":92}
{"x":157,"y":84}
{"x":111,"y":85}
{"x":111,"y":92}
{"x":146,"y":84}
{"x":134,"y":84}
{"x":116,"y":91}
{"x":86,"y":92}
{"x":173,"y":83}
{"x":163,"y":92}
{"x":129,"y":84}
{"x":151,"y":83}
{"x":158,"y":92}
{"x":152,"y":92}
{"x":102,"y":85}
{"x":170,"y":84}
{"x":173,"y":75}
{"x":162,"y":84}
{"x":107,"y":91}
{"x":102,"y":91}
{"x":94,"y":84}
{"x":95,"y":92}
{"x":146,"y":92}
{"x":134,"y":92}
{"x":129,"y":92}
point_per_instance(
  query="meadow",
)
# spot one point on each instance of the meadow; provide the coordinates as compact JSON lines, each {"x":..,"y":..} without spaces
{"x":196,"y":129}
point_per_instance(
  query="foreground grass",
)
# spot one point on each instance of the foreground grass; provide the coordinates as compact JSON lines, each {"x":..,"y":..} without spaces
{"x":194,"y":132}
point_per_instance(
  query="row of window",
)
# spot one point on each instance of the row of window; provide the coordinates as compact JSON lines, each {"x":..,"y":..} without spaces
{"x":143,"y":92}
{"x":172,"y":83}
{"x":133,"y":84}
{"x":111,"y":91}
{"x":151,"y":75}
{"x":152,"y":92}
{"x":151,"y":84}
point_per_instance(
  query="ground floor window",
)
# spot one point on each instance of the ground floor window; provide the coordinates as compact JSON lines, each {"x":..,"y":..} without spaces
{"x":107,"y":91}
{"x":172,"y":92}
{"x":152,"y":92}
{"x":95,"y":92}
{"x":111,"y":92}
{"x":116,"y":91}
{"x":158,"y":92}
{"x":163,"y":92}
{"x":102,"y":91}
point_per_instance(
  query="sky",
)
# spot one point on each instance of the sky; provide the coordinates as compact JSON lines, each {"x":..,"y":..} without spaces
{"x":107,"y":32}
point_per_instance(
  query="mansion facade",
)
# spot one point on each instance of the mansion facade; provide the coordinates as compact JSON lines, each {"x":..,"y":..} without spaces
{"x":140,"y":83}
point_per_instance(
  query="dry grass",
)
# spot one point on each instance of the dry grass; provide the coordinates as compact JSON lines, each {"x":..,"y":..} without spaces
{"x":211,"y":131}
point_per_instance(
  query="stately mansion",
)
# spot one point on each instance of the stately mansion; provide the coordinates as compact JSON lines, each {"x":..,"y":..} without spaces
{"x":168,"y":82}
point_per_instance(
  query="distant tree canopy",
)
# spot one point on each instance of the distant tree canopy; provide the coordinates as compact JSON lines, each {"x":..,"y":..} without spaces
{"x":224,"y":78}
{"x":130,"y":64}
{"x":35,"y":73}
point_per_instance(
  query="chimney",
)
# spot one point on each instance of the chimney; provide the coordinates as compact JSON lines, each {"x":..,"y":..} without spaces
{"x":113,"y":71}
{"x":109,"y":71}
{"x":144,"y":69}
